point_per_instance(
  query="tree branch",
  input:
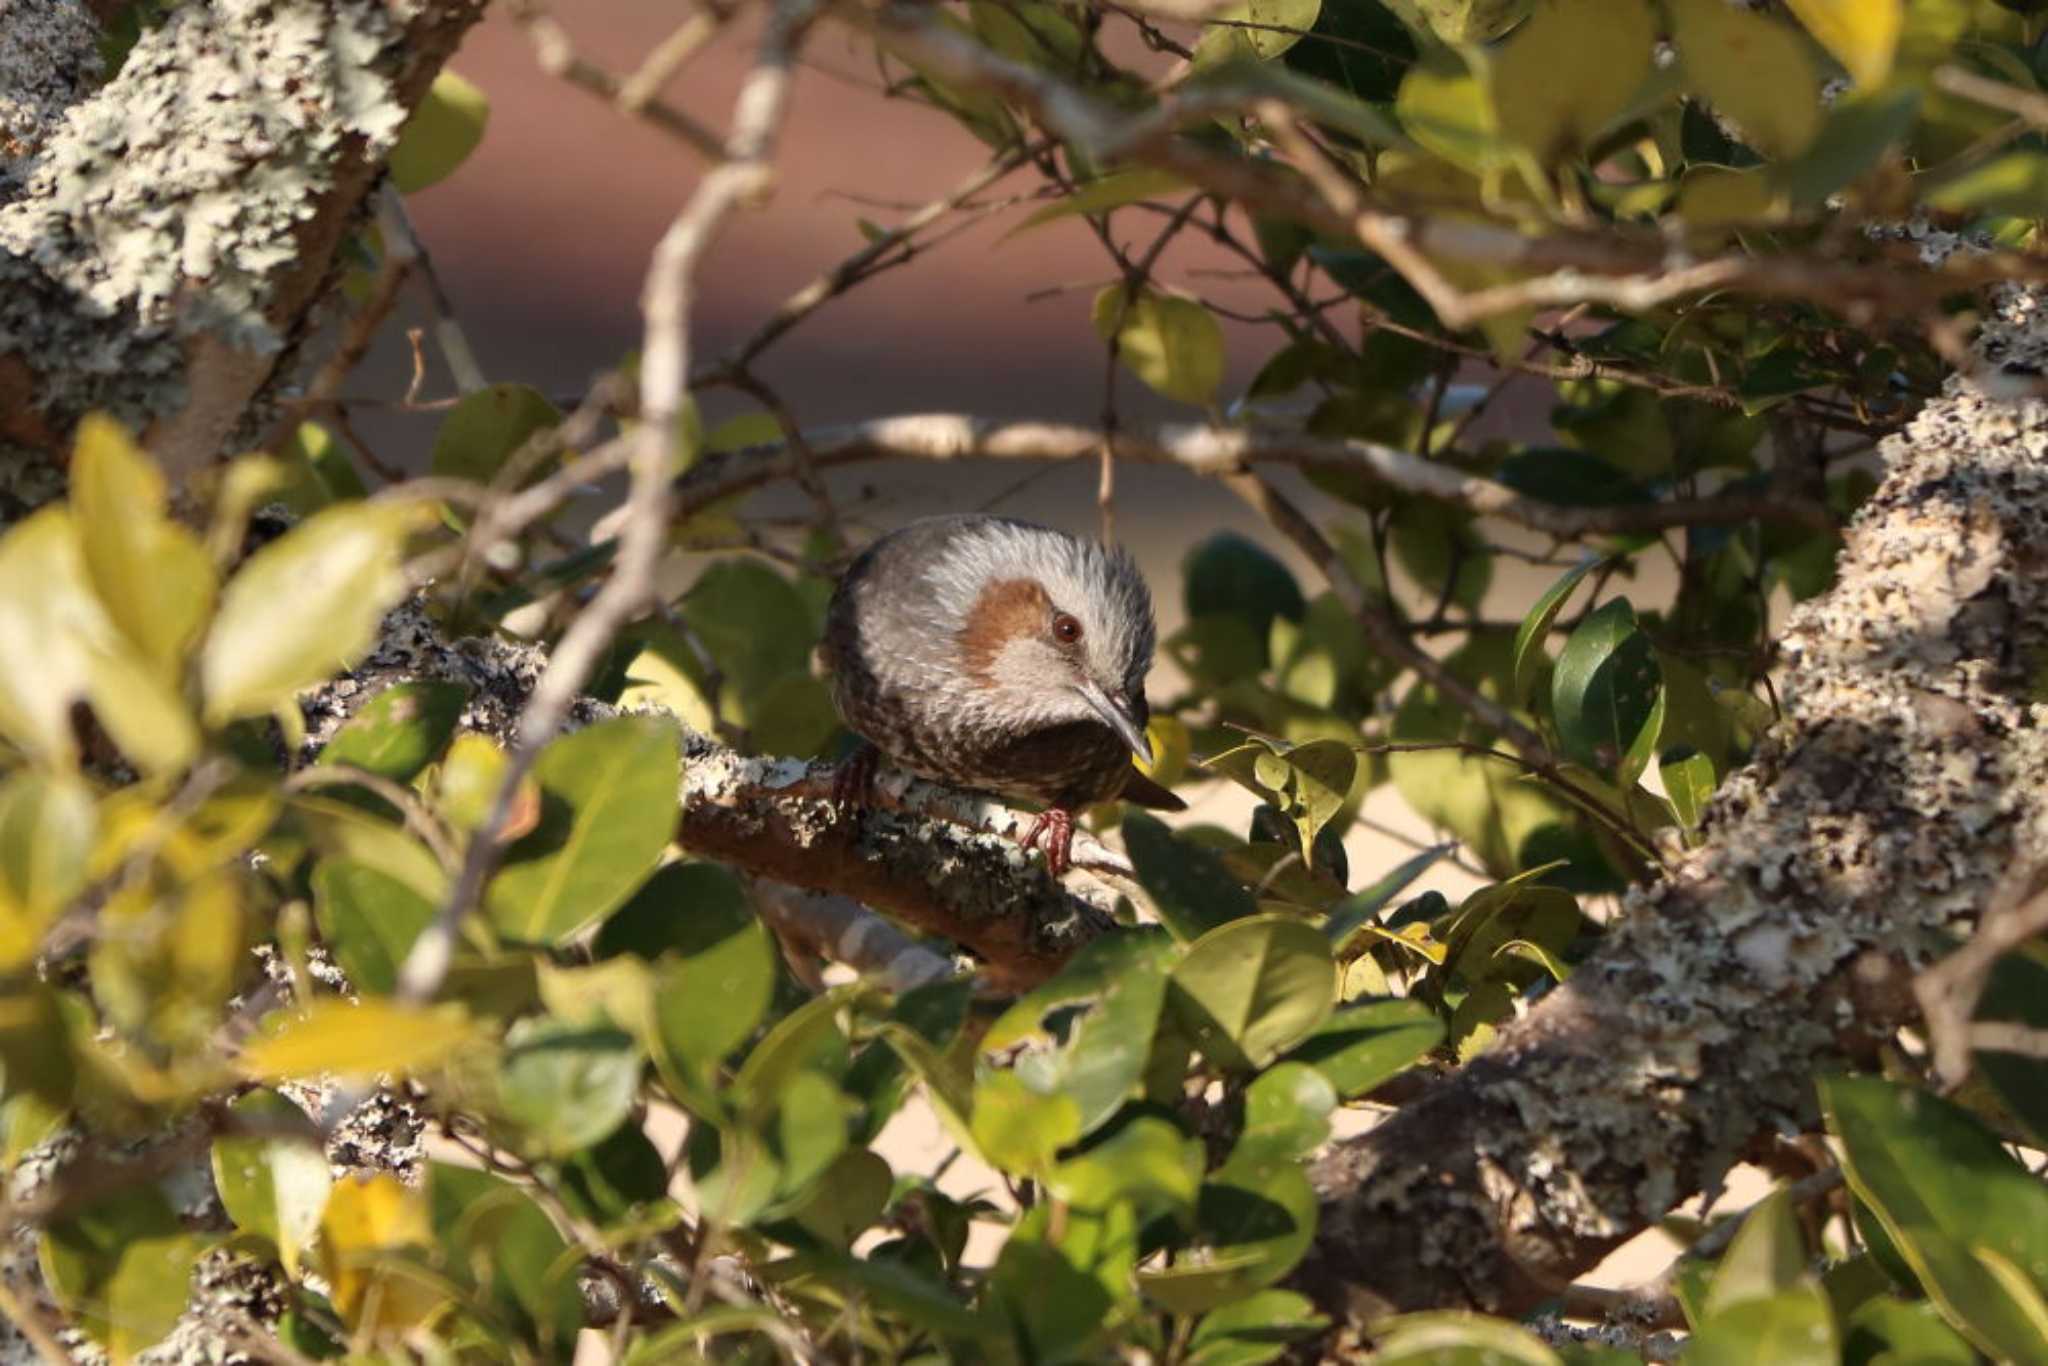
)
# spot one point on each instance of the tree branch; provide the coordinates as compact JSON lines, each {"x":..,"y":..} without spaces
{"x":1218,"y":452}
{"x":1907,"y":775}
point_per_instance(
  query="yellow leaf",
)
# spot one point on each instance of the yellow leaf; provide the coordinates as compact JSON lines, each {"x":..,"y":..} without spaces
{"x":1173,"y":344}
{"x":358,"y":1040}
{"x":365,"y":1224}
{"x":1863,"y":35}
{"x":152,"y":575}
{"x":1713,"y":196}
{"x":1752,"y":69}
{"x":1569,"y":71}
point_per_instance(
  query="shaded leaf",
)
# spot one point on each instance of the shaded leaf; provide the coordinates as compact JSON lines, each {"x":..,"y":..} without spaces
{"x":1361,"y":1046}
{"x":487,"y":428}
{"x":1753,"y":69}
{"x":153,"y":576}
{"x":443,"y":130}
{"x":1173,"y":344}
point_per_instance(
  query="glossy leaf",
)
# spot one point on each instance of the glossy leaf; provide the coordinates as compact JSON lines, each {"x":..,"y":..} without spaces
{"x":497,"y":1242}
{"x":1792,"y":1327}
{"x":1253,"y":1330}
{"x":1112,"y":191}
{"x":1863,"y":35}
{"x":1569,"y":71}
{"x":1146,"y":1161}
{"x":1255,"y":30}
{"x":399,"y":731}
{"x":1364,"y":907}
{"x":1529,"y":654}
{"x":47,"y":828}
{"x":1119,"y":983}
{"x":357,"y":1041}
{"x":443,"y":130}
{"x":1947,"y":1192}
{"x":302,"y":608}
{"x":1456,"y":1338}
{"x":1191,"y":888}
{"x":1255,"y":1218}
{"x":608,"y":808}
{"x":1767,"y":1256}
{"x":1361,"y":1046}
{"x":153,"y":576}
{"x":1019,"y":1130}
{"x":1753,"y":69}
{"x":487,"y":428}
{"x":566,"y":1085}
{"x":2017,"y":993}
{"x":1173,"y":344}
{"x":123,"y":1266}
{"x":1606,"y":693}
{"x":274,"y":1187}
{"x":1252,"y":988}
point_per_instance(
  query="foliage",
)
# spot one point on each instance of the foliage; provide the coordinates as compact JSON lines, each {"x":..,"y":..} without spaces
{"x":206,"y":931}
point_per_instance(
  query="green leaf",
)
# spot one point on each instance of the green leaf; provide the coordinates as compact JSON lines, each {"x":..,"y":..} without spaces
{"x":1440,"y":545}
{"x":1192,"y":890}
{"x":1254,"y":987}
{"x":1254,"y":1330}
{"x":1364,"y":907}
{"x":317,"y":473}
{"x":303,"y":608}
{"x":1606,"y":691}
{"x":847,"y":1200}
{"x":440,"y":135}
{"x":1946,"y":1193}
{"x":1888,"y":1331}
{"x":495,"y":1240}
{"x":1863,"y":35}
{"x":2015,"y":183}
{"x":1119,"y":983}
{"x":714,"y":962}
{"x":1017,"y":1129}
{"x":1255,"y":30}
{"x":1855,"y":138}
{"x":613,"y":1180}
{"x":753,"y":622}
{"x":123,"y":1268}
{"x":369,"y":919}
{"x":1689,"y":782}
{"x":1458,"y":1338}
{"x":806,"y":1039}
{"x":274,"y":1187}
{"x":608,"y":808}
{"x":1753,"y":69}
{"x":566,"y":1085}
{"x":2017,"y":993}
{"x":1146,"y":1161}
{"x":1362,"y":1046}
{"x":1112,"y":191}
{"x":153,"y":576}
{"x":487,"y":428}
{"x":1286,"y":1111}
{"x":1254,"y":1220}
{"x":1568,"y":72}
{"x":1461,"y":21}
{"x":1229,"y":575}
{"x":810,"y":1129}
{"x":1529,"y":654}
{"x":399,"y":731}
{"x":47,"y":827}
{"x":1174,"y":345}
{"x":1767,"y":1256}
{"x":1791,"y":1328}
{"x":339,"y":830}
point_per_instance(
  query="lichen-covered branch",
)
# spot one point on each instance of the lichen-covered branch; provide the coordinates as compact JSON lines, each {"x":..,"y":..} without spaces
{"x":1219,"y":452}
{"x":946,"y":864}
{"x":1908,"y":773}
{"x":165,"y":236}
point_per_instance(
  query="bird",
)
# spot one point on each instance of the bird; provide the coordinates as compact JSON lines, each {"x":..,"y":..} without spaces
{"x":999,"y":656}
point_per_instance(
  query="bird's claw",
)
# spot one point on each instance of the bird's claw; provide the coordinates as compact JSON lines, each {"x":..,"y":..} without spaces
{"x":853,"y":782}
{"x":1056,"y":824}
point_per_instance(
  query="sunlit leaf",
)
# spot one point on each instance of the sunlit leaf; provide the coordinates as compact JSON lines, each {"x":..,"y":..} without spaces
{"x":444,"y":129}
{"x":1569,"y":71}
{"x":302,"y":608}
{"x":1753,"y":69}
{"x":1173,"y":344}
{"x":1863,"y":35}
{"x":357,"y":1041}
{"x":274,"y":1186}
{"x":1253,"y":987}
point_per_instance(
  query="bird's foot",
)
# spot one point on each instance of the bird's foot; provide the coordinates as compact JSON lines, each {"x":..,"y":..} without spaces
{"x":853,"y":781}
{"x":1056,"y":824}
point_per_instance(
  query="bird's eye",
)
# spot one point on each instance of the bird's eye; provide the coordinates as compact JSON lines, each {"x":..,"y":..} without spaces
{"x":1065,"y":629}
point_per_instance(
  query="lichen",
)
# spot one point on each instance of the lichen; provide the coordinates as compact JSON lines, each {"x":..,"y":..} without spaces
{"x":166,"y":204}
{"x":49,"y":60}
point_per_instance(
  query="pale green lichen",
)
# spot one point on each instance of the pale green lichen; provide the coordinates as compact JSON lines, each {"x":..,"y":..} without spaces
{"x":49,"y":60}
{"x":166,"y":203}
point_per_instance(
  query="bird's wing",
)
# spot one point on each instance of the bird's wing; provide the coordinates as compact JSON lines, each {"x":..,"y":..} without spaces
{"x":1142,"y":790}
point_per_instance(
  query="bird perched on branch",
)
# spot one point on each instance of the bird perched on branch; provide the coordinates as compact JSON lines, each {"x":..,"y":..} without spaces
{"x":1001,"y":656}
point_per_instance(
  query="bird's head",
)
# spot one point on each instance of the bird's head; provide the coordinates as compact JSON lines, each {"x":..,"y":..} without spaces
{"x":1049,"y":629}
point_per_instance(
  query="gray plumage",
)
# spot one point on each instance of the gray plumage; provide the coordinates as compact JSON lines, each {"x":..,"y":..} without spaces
{"x":949,"y":651}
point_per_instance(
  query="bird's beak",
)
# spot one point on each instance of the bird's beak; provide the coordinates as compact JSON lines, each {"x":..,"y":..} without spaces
{"x":1116,"y":714}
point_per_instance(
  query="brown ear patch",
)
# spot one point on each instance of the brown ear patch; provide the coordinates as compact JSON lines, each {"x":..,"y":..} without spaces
{"x":1005,"y":609}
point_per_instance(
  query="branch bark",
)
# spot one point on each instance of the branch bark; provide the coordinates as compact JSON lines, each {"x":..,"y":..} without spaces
{"x":1907,"y":775}
{"x":166,"y":265}
{"x":1218,"y":452}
